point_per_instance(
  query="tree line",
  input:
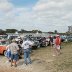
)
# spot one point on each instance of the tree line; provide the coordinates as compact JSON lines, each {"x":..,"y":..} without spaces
{"x":15,"y":30}
{"x":25,"y":31}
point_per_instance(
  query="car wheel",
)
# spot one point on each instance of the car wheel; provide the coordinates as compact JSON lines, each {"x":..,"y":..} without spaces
{"x":4,"y":53}
{"x":38,"y":46}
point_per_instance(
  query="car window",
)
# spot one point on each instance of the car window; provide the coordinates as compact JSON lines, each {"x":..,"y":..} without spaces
{"x":3,"y":43}
{"x":0,"y":43}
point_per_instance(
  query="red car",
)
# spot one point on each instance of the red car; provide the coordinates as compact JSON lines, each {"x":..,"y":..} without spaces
{"x":3,"y":44}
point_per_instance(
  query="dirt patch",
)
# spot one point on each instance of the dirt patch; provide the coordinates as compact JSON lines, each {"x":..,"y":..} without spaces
{"x":42,"y":61}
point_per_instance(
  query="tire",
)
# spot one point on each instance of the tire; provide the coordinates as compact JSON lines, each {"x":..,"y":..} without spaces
{"x":4,"y":53}
{"x":38,"y":46}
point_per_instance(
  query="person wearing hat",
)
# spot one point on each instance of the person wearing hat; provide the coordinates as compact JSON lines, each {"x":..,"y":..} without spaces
{"x":14,"y":52}
{"x":27,"y":44}
{"x":58,"y":44}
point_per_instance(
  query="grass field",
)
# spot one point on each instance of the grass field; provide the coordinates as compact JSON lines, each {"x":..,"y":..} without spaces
{"x":43,"y":61}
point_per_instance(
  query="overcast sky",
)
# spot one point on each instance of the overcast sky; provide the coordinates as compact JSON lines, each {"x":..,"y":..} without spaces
{"x":44,"y":15}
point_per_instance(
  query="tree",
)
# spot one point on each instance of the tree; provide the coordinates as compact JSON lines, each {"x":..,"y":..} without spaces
{"x":11,"y":30}
{"x":35,"y":31}
{"x":22,"y":31}
{"x":2,"y":32}
{"x":55,"y":31}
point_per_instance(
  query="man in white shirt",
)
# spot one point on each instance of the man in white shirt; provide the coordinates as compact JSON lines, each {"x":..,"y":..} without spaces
{"x":26,"y":46}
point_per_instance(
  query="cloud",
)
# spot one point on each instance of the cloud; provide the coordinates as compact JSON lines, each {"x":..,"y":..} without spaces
{"x":45,"y":15}
{"x":5,"y":6}
{"x":47,"y":5}
{"x":52,"y":13}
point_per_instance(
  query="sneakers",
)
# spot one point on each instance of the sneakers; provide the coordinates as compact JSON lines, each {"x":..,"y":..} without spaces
{"x":16,"y":65}
{"x":11,"y":65}
{"x":26,"y":63}
{"x":9,"y":60}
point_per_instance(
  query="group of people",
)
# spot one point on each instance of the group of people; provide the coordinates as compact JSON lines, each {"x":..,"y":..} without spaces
{"x":55,"y":43}
{"x":13,"y":49}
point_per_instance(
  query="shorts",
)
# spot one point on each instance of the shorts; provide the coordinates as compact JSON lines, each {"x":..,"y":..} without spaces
{"x":58,"y":47}
{"x":14,"y":57}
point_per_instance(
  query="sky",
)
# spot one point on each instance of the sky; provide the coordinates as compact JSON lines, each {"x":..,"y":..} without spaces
{"x":44,"y":15}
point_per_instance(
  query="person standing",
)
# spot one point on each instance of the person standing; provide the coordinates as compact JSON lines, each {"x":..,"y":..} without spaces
{"x":54,"y":46}
{"x":51,"y":41}
{"x":14,"y":52}
{"x":26,"y":46}
{"x":8,"y":53}
{"x":58,"y":44}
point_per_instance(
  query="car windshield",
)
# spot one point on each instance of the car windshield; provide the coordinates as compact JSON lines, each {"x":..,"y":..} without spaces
{"x":3,"y":43}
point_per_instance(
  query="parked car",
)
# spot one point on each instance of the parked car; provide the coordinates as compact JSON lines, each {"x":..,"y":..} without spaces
{"x":69,"y":38}
{"x":35,"y":41}
{"x":12,"y":37}
{"x":40,"y":41}
{"x":63,"y":38}
{"x":44,"y":42}
{"x":3,"y":44}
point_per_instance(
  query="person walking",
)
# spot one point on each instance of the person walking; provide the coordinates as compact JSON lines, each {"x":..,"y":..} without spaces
{"x":27,"y":44}
{"x":14,"y":53}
